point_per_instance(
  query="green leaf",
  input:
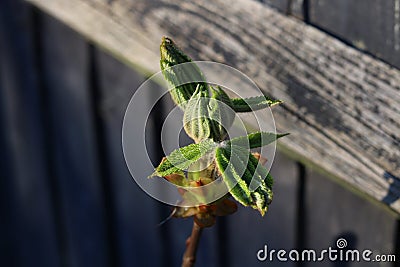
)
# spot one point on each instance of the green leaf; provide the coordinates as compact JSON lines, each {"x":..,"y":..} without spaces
{"x":253,"y":103}
{"x":232,"y":178}
{"x":257,"y":139}
{"x":220,"y":113}
{"x":178,"y":77}
{"x":206,"y":117}
{"x":182,"y":158}
{"x":195,"y":118}
{"x":248,"y":181}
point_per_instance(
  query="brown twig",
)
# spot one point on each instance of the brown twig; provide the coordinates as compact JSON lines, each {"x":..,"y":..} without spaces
{"x":189,"y":257}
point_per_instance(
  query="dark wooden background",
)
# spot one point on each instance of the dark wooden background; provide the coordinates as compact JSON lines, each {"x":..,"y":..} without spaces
{"x":67,"y":198}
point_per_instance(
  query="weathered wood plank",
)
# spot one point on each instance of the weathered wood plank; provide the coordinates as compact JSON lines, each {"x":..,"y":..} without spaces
{"x":370,"y":25}
{"x":340,"y":104}
{"x":28,"y":232}
{"x":73,"y":145}
{"x":297,"y":9}
{"x":288,"y":7}
{"x":281,"y":5}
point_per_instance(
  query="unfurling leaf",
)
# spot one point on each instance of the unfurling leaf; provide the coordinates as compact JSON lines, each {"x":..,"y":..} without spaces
{"x":184,"y":80}
{"x":249,"y":182}
{"x":196,"y":121}
{"x":221,"y":114}
{"x":208,"y":117}
{"x":253,"y":103}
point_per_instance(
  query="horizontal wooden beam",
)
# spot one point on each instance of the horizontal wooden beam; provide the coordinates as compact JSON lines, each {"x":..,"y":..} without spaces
{"x":341,"y":106}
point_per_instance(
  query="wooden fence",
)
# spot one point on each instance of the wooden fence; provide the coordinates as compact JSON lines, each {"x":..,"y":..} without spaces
{"x":69,"y":68}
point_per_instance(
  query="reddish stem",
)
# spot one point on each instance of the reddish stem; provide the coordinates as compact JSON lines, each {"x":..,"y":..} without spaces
{"x":189,"y":257}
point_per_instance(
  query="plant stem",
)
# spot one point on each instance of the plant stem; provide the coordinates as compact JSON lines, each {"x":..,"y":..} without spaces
{"x":189,"y":257}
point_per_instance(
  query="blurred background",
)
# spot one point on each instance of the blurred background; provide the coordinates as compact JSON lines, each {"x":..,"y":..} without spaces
{"x":66,"y":195}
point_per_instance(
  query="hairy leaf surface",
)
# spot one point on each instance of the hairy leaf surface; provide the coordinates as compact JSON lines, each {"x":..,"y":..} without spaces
{"x":253,"y":103}
{"x":180,"y":159}
{"x":257,"y":139}
{"x":249,"y":182}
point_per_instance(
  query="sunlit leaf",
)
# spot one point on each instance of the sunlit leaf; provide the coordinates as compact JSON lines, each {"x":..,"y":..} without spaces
{"x":253,"y":103}
{"x":178,"y":77}
{"x":249,"y":182}
{"x":257,"y":139}
{"x":208,"y":117}
{"x":182,"y":158}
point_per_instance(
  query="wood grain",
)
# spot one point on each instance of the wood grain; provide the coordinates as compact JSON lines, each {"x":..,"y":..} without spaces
{"x":288,"y":7}
{"x":370,"y":25}
{"x":341,"y":105}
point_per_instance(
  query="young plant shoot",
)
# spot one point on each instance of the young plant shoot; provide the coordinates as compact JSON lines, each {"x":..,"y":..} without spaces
{"x":208,"y":113}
